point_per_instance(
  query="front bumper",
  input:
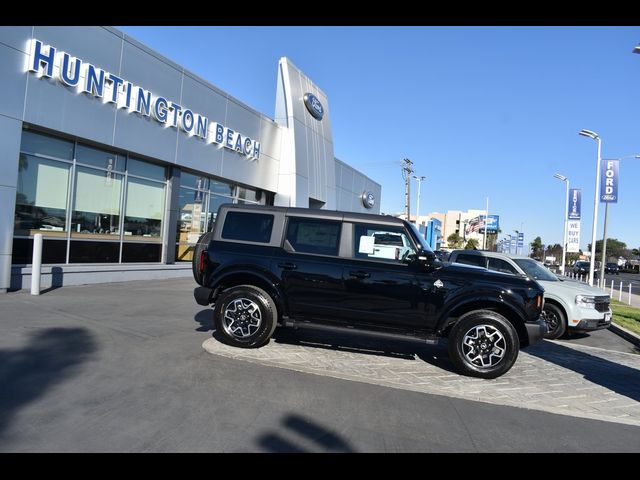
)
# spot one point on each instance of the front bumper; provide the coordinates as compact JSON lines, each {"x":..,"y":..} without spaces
{"x":536,"y":330}
{"x":591,"y":324}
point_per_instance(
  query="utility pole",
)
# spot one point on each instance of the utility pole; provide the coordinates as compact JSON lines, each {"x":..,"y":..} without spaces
{"x":407,"y":170}
{"x":486,"y":220}
{"x":419,"y":179}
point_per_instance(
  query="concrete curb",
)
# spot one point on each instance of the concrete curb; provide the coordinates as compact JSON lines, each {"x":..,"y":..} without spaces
{"x":628,"y":335}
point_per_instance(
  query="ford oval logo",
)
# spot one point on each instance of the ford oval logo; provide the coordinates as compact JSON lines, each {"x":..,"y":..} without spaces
{"x":314,"y":106}
{"x":368,"y":199}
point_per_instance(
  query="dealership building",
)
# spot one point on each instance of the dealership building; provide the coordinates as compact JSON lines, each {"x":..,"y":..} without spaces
{"x":120,"y":157}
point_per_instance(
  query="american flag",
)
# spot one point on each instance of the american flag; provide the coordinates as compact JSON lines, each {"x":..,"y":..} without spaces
{"x":475,"y":224}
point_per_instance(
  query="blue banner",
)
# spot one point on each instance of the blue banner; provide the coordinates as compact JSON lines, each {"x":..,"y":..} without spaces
{"x":574,"y":204}
{"x":493,"y":224}
{"x":609,"y":177}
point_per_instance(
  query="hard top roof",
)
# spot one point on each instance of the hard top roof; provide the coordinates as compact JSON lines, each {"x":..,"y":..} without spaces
{"x":315,"y":213}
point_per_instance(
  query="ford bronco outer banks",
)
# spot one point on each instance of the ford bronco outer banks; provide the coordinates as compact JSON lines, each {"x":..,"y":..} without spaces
{"x":263,"y":267}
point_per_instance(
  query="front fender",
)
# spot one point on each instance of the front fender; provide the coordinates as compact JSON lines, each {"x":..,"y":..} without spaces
{"x":469,"y":300}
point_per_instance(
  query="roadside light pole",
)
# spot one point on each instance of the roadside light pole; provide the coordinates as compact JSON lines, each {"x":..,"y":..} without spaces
{"x":419,"y":179}
{"x":566,"y":214}
{"x":592,"y":259}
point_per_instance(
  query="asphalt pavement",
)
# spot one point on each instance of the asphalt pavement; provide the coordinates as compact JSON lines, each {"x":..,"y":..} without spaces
{"x":121,"y":368}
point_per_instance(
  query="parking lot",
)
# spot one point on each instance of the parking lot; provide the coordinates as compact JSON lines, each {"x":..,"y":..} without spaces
{"x":134,"y":367}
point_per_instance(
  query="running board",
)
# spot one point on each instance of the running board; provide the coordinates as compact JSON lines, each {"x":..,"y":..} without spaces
{"x":426,"y":339}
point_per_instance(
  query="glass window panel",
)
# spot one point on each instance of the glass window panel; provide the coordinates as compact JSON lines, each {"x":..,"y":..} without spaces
{"x":145,"y":209}
{"x":214,"y":204}
{"x":221,"y":188}
{"x":193,"y":181}
{"x":33,"y":142}
{"x":250,"y":227}
{"x":146,"y":169}
{"x":94,"y":252}
{"x":99,"y":158}
{"x":184,"y":253}
{"x":477,"y":260}
{"x":246,"y":195}
{"x":378,"y":243}
{"x":141,"y":252}
{"x":313,"y":235}
{"x":96,"y":209}
{"x":41,"y":197}
{"x":53,"y":251}
{"x":191,"y":222}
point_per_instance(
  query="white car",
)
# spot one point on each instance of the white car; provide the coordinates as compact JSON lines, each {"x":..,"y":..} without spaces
{"x":568,"y":304}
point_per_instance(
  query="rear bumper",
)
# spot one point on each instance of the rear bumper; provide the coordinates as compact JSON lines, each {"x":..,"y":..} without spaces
{"x":536,"y":330}
{"x":203,"y":295}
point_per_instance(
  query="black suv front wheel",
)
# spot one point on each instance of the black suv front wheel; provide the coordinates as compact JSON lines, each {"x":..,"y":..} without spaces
{"x":483,"y":344}
{"x":245,"y":316}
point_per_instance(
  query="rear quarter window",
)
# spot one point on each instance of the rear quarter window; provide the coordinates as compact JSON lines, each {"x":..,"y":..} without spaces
{"x":248,"y":227}
{"x":476,"y":260}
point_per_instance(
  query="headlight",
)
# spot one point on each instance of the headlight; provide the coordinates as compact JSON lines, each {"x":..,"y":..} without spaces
{"x":585,"y":301}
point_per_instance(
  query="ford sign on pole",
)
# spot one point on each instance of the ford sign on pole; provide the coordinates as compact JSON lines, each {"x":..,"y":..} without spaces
{"x":574,"y":204}
{"x":609,"y":181}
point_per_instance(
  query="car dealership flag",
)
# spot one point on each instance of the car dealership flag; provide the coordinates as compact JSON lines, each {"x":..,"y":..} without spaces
{"x":574,"y":204}
{"x":609,"y":177}
{"x":573,"y":236}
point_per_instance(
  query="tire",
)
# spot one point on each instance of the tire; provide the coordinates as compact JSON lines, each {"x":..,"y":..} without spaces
{"x":466,"y":335}
{"x":556,"y":321}
{"x":202,"y":244}
{"x":257,"y":312}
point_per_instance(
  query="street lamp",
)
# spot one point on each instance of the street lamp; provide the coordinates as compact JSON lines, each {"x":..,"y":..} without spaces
{"x":594,"y":136}
{"x":566,"y":213}
{"x":637,"y":49}
{"x":419,"y":179}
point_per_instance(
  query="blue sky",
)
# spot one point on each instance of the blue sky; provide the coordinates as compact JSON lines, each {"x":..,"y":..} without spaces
{"x":481,"y":111}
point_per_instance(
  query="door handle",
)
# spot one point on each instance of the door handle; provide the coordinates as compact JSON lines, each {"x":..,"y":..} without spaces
{"x":288,"y":266}
{"x":360,"y":274}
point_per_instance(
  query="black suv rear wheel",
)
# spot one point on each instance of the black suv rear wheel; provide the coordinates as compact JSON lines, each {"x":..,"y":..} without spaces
{"x":245,"y":316}
{"x":483,"y":344}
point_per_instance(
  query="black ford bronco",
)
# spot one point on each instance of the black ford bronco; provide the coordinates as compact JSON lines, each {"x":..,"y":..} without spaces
{"x":263,"y":267}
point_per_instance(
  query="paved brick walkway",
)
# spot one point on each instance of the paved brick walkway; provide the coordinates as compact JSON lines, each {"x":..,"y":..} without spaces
{"x":555,"y":377}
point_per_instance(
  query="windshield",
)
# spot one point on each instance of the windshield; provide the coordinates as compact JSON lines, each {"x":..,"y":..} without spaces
{"x":535,"y":269}
{"x":417,"y":236}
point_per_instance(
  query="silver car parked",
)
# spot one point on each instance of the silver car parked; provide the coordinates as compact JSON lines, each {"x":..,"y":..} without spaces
{"x":568,"y":304}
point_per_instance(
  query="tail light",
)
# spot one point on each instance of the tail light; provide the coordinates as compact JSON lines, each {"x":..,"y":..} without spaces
{"x":201,"y":263}
{"x":539,"y":301}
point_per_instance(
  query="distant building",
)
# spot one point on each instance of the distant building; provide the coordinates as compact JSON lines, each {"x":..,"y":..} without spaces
{"x":432,"y":232}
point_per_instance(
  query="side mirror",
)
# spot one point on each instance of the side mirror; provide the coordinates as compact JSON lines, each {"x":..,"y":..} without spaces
{"x":427,"y":257}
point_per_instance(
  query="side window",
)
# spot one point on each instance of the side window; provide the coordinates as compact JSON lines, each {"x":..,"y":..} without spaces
{"x":500,"y":265}
{"x":250,"y":227}
{"x":381,"y":243}
{"x":311,"y":235}
{"x":477,"y":260}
